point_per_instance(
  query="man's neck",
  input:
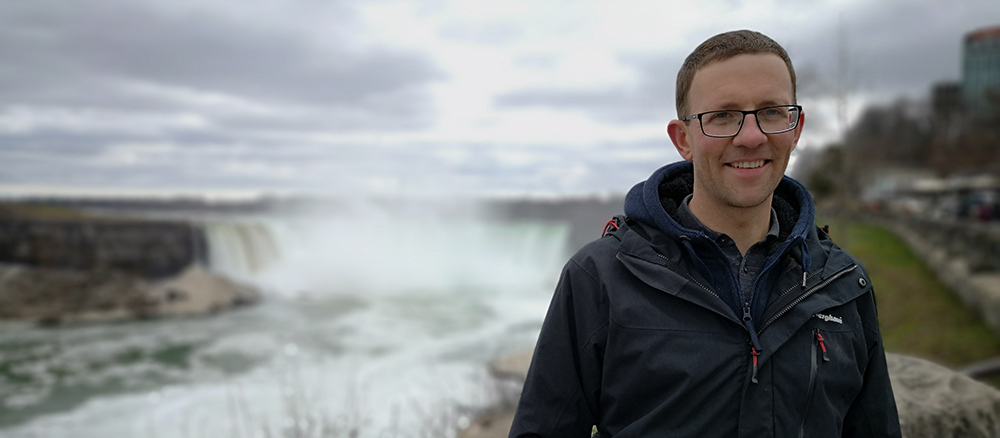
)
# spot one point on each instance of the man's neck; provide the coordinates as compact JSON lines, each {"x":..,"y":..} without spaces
{"x":746,"y":226}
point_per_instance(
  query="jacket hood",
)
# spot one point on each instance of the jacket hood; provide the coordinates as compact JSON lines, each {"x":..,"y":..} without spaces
{"x":655,"y":202}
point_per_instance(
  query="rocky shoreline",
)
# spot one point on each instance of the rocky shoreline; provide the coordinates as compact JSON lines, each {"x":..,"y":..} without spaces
{"x":56,"y":296}
{"x":495,"y":422}
{"x":59,"y":266}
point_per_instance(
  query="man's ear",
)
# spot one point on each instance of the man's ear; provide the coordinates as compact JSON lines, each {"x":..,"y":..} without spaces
{"x":678,"y":132}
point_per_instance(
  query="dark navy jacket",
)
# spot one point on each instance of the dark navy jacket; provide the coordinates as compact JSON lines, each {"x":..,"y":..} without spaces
{"x":646,"y":337}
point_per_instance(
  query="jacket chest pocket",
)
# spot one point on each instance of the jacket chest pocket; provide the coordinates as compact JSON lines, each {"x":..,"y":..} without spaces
{"x":828,"y":372}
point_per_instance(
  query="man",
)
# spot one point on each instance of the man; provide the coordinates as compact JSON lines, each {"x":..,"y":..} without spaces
{"x":716,"y":308}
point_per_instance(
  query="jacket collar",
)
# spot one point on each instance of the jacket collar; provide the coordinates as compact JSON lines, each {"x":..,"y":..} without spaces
{"x":654,"y":204}
{"x":657,"y":261}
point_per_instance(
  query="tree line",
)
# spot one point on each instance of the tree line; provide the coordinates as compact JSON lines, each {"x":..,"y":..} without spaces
{"x":942,"y":137}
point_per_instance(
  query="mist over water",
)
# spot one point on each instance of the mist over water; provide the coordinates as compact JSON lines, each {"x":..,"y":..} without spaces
{"x":384,"y":252}
{"x":378,"y":316}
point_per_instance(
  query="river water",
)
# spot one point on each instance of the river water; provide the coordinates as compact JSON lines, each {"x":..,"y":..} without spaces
{"x":380,"y":327}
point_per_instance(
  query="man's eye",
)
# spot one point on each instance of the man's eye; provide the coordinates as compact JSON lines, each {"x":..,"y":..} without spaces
{"x":720,"y":117}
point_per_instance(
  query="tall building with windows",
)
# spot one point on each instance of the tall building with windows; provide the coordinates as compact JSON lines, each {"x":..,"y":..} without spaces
{"x":981,"y":68}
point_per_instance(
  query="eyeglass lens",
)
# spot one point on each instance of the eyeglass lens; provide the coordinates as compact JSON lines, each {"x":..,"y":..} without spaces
{"x":771,"y":120}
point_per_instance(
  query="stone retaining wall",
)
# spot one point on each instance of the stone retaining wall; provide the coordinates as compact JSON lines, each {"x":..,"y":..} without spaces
{"x":965,"y":256}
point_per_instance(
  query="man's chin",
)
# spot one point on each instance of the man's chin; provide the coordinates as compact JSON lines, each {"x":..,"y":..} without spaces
{"x":750,"y":200}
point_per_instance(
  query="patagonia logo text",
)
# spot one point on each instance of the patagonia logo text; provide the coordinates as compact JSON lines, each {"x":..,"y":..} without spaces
{"x":830,"y":318}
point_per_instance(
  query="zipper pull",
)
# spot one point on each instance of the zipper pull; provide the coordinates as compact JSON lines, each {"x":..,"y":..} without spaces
{"x":822,"y":346}
{"x":754,"y":341}
{"x":748,"y":323}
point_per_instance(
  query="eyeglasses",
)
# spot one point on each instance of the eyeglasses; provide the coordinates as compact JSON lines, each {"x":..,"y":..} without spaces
{"x":770,"y":120}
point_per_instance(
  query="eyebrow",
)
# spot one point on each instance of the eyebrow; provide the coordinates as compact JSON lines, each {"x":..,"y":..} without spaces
{"x":763,"y":104}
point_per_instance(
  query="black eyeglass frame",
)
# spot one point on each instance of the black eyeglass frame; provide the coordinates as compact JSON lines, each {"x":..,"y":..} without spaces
{"x":756,"y":118}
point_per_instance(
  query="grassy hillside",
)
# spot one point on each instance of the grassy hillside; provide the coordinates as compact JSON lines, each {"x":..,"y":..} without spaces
{"x":918,"y":315}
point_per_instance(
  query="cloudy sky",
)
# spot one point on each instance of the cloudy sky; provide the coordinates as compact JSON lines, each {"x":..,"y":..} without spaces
{"x":411,"y":97}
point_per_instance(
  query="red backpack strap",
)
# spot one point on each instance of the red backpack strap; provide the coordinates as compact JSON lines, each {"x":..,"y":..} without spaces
{"x":614,"y":225}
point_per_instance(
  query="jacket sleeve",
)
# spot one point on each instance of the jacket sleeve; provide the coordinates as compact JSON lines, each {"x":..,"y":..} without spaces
{"x":562,"y":390}
{"x":873,"y":413}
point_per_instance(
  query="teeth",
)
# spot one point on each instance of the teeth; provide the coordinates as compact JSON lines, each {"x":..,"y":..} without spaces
{"x":748,"y":164}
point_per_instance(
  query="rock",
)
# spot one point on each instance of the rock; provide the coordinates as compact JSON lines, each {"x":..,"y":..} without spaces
{"x":196,"y":291}
{"x":513,"y":366}
{"x":52,"y":296}
{"x":509,"y":370}
{"x":493,"y":425}
{"x":934,"y":401}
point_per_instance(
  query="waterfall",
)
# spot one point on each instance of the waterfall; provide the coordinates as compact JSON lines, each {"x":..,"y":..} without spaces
{"x":241,"y":248}
{"x":386,"y":313}
{"x":385,"y":254}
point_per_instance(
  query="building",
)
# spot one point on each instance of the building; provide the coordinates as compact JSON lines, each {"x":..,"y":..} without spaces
{"x":981,"y":68}
{"x":946,"y":99}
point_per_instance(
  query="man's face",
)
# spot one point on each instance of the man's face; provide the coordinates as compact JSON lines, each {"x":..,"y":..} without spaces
{"x":740,"y":171}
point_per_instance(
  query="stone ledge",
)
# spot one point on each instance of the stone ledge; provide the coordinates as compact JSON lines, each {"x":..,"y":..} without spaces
{"x":933,"y":401}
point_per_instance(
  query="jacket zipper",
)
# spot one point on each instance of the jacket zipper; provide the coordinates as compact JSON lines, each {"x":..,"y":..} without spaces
{"x":755,"y":348}
{"x":786,"y":291}
{"x":691,"y":278}
{"x":813,"y":375}
{"x":809,"y":292}
{"x":754,"y":341}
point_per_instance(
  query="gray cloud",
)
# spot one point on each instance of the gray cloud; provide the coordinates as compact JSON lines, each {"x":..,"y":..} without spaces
{"x":549,"y":167}
{"x":649,"y":98}
{"x":539,"y":60}
{"x":70,"y":53}
{"x":483,"y":33}
{"x":133,"y":94}
{"x":206,"y":161}
{"x":893,"y":48}
{"x":154,"y":93}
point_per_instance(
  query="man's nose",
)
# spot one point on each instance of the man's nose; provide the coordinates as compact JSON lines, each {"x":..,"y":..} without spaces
{"x":750,"y":134}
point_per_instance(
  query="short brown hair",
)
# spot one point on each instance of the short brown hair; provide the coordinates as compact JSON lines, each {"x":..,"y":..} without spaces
{"x":724,"y":46}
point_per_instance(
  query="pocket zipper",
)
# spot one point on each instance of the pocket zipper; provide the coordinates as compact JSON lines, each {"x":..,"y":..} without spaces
{"x":817,"y":339}
{"x":822,"y":345}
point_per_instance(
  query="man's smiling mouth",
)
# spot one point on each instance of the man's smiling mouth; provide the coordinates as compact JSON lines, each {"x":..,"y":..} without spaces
{"x":748,"y":164}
